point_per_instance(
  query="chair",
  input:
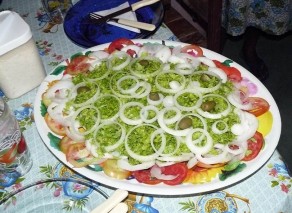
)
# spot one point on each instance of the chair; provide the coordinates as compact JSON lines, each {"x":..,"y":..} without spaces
{"x":207,"y":13}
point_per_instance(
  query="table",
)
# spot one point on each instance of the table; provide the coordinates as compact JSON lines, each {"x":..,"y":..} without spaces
{"x":268,"y":190}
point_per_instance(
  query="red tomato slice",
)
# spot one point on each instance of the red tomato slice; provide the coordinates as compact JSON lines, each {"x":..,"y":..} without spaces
{"x":193,"y":50}
{"x":144,"y":176}
{"x":179,"y":169}
{"x":77,"y":155}
{"x":259,"y":106}
{"x":119,"y":44}
{"x":231,"y":72}
{"x":65,"y":143}
{"x":78,"y":65}
{"x":254,"y":146}
{"x":54,"y":126}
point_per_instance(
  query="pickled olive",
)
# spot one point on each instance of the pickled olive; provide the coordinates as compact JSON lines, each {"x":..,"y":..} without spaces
{"x":205,"y":77}
{"x":154,"y":96}
{"x":208,"y":106}
{"x":143,"y":62}
{"x":185,"y":123}
{"x":83,"y":89}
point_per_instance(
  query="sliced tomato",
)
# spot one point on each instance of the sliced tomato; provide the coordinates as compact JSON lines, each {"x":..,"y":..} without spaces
{"x":65,"y":143}
{"x":144,"y":176}
{"x":118,"y":44}
{"x":259,"y":106}
{"x":78,"y":155}
{"x":193,"y":50}
{"x":111,"y":169}
{"x":9,"y":156}
{"x":231,"y":72}
{"x":254,"y":146}
{"x":179,"y":169}
{"x":54,"y":126}
{"x":79,"y":64}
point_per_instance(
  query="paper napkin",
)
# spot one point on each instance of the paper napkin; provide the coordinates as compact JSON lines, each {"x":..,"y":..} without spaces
{"x":129,"y":15}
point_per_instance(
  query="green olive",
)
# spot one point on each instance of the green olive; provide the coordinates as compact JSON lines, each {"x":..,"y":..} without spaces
{"x":143,"y":62}
{"x":185,"y":123}
{"x":154,"y":96}
{"x":82,"y":89}
{"x":208,"y":106}
{"x":205,"y":77}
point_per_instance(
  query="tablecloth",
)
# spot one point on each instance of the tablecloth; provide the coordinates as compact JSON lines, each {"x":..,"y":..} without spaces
{"x":268,"y":190}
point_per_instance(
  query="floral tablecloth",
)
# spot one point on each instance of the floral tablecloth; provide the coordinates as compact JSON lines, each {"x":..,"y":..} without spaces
{"x":268,"y":190}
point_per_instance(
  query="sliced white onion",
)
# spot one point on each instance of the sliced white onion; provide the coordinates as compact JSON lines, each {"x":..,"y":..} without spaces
{"x":198,"y":87}
{"x":146,"y":75}
{"x":127,"y":120}
{"x":120,"y":55}
{"x":188,"y":108}
{"x":90,"y":100}
{"x":166,"y":128}
{"x":170,"y":90}
{"x":74,"y":135}
{"x":217,"y":115}
{"x":199,"y":149}
{"x":163,"y":142}
{"x":192,"y":162}
{"x":141,"y":158}
{"x":206,"y":61}
{"x":119,"y":141}
{"x":145,"y":111}
{"x":180,"y":158}
{"x":156,"y":172}
{"x":163,"y":54}
{"x":74,"y":119}
{"x":57,"y":113}
{"x":143,"y":90}
{"x":124,"y":164}
{"x":176,"y":60}
{"x":222,"y":157}
{"x":236,"y":101}
{"x":168,"y":101}
{"x":248,"y":125}
{"x":218,"y":131}
{"x":164,"y":163}
{"x":150,"y":49}
{"x":130,"y":90}
{"x":219,"y":72}
{"x":98,"y":55}
{"x":114,"y":117}
{"x":174,"y":118}
{"x":184,"y":68}
{"x":63,"y":85}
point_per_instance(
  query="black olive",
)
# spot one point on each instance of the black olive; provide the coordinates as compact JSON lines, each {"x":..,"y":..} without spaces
{"x":143,"y":62}
{"x":154,"y":96}
{"x":185,"y":123}
{"x":82,"y":89}
{"x":208,"y":106}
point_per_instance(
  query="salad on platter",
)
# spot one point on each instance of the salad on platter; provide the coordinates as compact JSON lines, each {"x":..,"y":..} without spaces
{"x":154,"y":113}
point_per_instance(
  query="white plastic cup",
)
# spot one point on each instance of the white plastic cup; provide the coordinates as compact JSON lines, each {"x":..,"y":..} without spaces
{"x":21,"y":68}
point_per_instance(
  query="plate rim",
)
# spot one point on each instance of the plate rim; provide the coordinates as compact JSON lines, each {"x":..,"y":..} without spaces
{"x":183,"y":189}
